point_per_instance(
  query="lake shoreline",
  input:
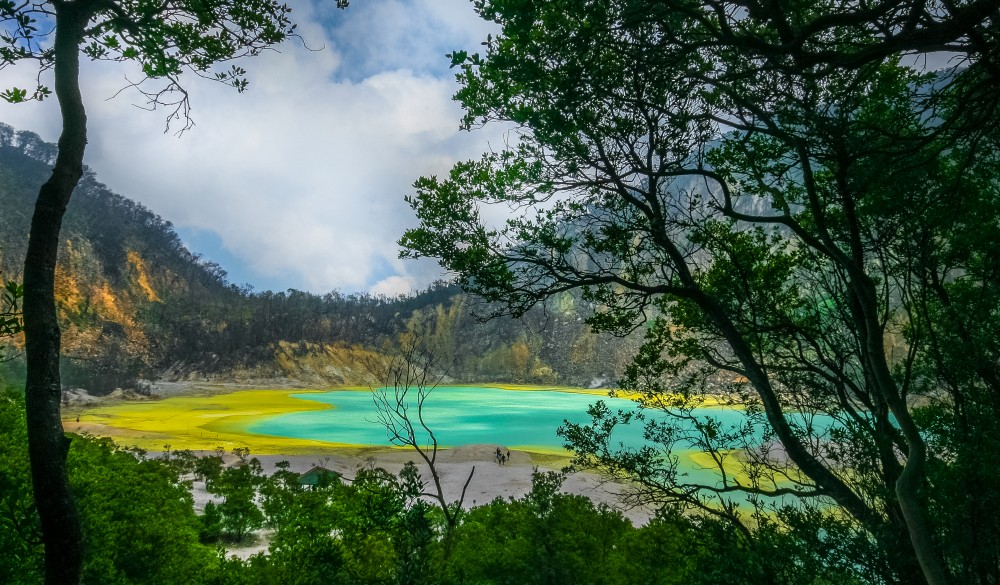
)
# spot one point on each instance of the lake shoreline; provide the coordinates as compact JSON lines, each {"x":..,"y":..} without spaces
{"x":205,"y":418}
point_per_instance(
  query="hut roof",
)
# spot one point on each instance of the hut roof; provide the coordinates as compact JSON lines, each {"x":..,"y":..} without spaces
{"x":318,"y":475}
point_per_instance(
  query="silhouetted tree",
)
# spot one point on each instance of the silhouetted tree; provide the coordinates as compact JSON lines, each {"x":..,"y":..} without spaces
{"x":785,"y":200}
{"x":408,"y":380}
{"x":165,"y":39}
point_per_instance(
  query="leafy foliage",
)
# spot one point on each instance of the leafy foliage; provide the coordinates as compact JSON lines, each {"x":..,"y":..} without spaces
{"x":793,"y":214}
{"x":238,"y":515}
{"x":10,"y":314}
{"x":162,"y":39}
{"x":138,"y":516}
{"x":19,"y":527}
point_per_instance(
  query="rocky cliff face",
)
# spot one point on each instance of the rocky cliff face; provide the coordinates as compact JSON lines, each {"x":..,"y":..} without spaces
{"x":136,"y":304}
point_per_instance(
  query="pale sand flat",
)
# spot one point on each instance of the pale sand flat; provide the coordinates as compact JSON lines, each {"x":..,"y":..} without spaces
{"x":489,"y":481}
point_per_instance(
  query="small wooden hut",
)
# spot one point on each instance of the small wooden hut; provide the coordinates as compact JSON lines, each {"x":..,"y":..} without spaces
{"x":319,"y":476}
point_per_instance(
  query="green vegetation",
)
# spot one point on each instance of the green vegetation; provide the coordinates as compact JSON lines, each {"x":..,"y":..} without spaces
{"x":10,"y":311}
{"x":163,"y":40}
{"x":139,"y":526}
{"x":789,"y":200}
{"x":10,"y":320}
{"x":795,"y":211}
{"x":138,"y":521}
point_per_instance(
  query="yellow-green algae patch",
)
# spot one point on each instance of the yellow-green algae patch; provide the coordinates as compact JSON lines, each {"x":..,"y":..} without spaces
{"x":735,"y":466}
{"x":201,"y":422}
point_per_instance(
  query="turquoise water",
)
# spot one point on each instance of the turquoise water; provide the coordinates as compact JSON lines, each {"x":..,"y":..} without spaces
{"x":524,"y":420}
{"x":460,"y":415}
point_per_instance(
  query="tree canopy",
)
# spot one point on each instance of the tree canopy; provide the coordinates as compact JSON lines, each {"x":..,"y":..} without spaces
{"x":795,"y":201}
{"x":10,"y":309}
{"x":164,"y":39}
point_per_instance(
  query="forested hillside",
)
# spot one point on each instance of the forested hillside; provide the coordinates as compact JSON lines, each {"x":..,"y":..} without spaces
{"x":136,"y":304}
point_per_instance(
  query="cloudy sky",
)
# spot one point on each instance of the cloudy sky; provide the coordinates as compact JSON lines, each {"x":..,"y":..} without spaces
{"x":299,"y":182}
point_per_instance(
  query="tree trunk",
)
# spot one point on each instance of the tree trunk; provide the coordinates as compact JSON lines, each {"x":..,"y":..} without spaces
{"x":47,"y":442}
{"x":913,"y":474}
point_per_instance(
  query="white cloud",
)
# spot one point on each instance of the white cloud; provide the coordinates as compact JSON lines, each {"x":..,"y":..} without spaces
{"x":409,"y":34}
{"x":305,"y":173}
{"x":393,"y":286}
